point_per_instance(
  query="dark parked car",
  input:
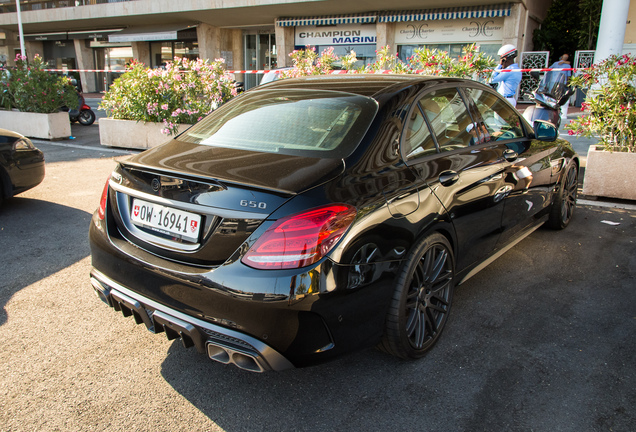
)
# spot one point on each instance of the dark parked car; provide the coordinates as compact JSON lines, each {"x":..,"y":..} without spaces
{"x":316,"y":216}
{"x":21,"y":164}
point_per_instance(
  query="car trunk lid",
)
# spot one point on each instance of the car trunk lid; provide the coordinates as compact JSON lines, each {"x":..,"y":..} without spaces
{"x":196,"y":205}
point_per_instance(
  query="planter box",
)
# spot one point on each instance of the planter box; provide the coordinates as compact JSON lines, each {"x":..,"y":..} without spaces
{"x":132,"y":134}
{"x":609,"y":174}
{"x":37,"y":125}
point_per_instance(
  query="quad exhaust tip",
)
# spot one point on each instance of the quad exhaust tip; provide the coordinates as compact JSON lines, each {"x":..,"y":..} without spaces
{"x":227,"y":355}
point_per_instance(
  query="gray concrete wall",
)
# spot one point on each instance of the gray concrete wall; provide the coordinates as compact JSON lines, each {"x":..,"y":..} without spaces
{"x":141,"y":52}
{"x":85,"y":60}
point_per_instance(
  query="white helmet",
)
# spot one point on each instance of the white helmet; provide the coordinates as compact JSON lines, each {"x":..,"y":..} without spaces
{"x":507,"y":51}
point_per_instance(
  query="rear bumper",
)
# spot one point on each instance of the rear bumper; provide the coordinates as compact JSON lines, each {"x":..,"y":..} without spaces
{"x":221,"y":344}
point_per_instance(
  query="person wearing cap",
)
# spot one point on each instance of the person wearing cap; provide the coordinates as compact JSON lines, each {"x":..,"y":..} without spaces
{"x":508,"y":82}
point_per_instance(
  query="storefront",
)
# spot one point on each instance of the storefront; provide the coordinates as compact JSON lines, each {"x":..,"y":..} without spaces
{"x":157,"y":45}
{"x":448,"y":30}
{"x":55,"y":48}
{"x":444,"y":29}
{"x":344,"y":38}
{"x":450,"y":36}
{"x":344,"y":33}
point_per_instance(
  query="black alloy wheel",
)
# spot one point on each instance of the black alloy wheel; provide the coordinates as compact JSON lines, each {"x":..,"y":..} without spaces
{"x":86,"y":117}
{"x":421,"y":300}
{"x":565,"y":202}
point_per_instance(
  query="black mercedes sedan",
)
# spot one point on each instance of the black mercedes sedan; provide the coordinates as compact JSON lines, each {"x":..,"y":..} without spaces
{"x":21,"y":164}
{"x":311,"y":217}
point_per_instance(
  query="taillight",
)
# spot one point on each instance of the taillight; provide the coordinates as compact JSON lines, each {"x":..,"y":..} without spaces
{"x":302,"y":239}
{"x":101,"y":212}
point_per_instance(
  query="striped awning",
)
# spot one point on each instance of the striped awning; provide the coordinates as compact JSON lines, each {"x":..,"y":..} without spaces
{"x":502,"y":10}
{"x":327,"y":20}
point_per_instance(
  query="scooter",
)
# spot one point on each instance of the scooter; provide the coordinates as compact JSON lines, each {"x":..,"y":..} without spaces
{"x":83,"y":114}
{"x":551,"y":94}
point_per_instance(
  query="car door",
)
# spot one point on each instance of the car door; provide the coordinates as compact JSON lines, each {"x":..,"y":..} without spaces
{"x":466,"y":175}
{"x":528,"y":179}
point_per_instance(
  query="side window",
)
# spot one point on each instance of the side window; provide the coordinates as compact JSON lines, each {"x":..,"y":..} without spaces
{"x":500,"y":121}
{"x":449,"y":118}
{"x":418,"y":141}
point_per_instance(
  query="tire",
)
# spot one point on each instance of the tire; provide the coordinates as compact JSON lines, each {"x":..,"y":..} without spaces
{"x":86,"y":117}
{"x":563,"y":207}
{"x":421,"y":300}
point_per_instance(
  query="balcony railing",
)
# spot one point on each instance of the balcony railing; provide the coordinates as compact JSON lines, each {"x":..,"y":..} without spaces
{"x":7,"y":6}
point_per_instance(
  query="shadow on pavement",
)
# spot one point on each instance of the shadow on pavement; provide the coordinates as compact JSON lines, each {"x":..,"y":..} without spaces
{"x":30,"y":250}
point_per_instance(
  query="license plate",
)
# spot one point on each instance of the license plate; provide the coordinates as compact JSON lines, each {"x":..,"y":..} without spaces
{"x":166,"y":220}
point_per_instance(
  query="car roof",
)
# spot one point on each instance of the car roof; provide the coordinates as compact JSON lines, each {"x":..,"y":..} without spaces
{"x":371,"y":85}
{"x":12,"y":134}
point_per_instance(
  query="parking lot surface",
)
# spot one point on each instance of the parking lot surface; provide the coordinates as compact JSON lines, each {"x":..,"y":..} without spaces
{"x":542,"y":339}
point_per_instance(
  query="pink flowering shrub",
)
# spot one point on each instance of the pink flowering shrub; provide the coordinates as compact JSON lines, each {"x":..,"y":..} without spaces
{"x":472,"y":64}
{"x":29,"y":87}
{"x":184,"y":91}
{"x":610,"y":106}
{"x":306,"y":62}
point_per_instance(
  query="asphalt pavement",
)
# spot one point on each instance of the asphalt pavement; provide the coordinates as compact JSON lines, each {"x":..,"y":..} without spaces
{"x":540,"y":340}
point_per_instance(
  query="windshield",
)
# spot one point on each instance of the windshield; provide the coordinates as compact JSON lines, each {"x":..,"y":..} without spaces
{"x":315,"y":123}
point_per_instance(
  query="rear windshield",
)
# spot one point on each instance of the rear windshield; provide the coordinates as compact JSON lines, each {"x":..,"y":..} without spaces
{"x":294,"y":122}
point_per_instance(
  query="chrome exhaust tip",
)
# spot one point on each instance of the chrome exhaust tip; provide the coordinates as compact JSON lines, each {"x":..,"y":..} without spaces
{"x":218,"y":353}
{"x":227,"y":355}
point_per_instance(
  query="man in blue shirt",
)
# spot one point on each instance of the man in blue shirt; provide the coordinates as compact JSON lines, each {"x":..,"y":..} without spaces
{"x":563,"y":63}
{"x":508,"y":81}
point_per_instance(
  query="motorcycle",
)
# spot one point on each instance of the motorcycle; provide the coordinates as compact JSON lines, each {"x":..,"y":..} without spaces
{"x":83,"y":114}
{"x":551,"y":94}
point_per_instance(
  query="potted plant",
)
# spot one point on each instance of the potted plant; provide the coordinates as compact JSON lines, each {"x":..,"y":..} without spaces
{"x":145,"y":105}
{"x":32,"y":98}
{"x":610,"y":115}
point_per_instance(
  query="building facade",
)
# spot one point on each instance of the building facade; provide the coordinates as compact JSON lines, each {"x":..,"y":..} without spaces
{"x":104,"y":35}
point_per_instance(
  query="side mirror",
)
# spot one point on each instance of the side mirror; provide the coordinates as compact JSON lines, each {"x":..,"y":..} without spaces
{"x":545,"y":131}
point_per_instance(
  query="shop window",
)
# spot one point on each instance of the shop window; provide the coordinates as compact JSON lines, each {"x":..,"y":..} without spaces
{"x":260,"y":54}
{"x":453,"y":50}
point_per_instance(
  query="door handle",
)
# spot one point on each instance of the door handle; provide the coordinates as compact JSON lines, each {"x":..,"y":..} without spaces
{"x":448,"y":178}
{"x":510,"y":155}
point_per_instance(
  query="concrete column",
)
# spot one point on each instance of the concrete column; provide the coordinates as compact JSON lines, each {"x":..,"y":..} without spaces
{"x":9,"y":46}
{"x":215,"y":42}
{"x":34,"y":47}
{"x":611,"y":33}
{"x":284,"y":44}
{"x":141,"y":52}
{"x":85,"y":60}
{"x":385,"y":36}
{"x":208,"y":37}
{"x":514,"y":26}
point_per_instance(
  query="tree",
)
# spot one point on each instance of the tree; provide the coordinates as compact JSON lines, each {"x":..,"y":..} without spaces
{"x":570,"y":25}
